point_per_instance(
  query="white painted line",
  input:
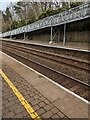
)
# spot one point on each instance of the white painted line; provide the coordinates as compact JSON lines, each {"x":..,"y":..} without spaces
{"x":67,"y":48}
{"x":72,"y":93}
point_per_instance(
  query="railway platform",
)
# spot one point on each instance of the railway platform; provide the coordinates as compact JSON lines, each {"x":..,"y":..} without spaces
{"x":72,"y":45}
{"x":28,"y":94}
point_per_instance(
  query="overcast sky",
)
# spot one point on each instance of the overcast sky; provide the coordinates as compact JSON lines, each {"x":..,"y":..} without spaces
{"x":5,"y":3}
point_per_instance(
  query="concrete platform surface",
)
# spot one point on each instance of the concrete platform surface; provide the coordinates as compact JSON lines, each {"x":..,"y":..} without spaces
{"x":47,"y":99}
{"x":71,"y":45}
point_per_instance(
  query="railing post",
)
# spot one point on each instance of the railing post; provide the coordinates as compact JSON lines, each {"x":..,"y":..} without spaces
{"x":64,"y":38}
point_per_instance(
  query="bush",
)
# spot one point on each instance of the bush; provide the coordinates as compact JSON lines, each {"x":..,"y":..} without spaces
{"x":47,"y":13}
{"x":42,"y":15}
{"x":14,"y":24}
{"x":21,"y":23}
{"x":50,"y":12}
{"x":75,"y":4}
{"x":31,"y":20}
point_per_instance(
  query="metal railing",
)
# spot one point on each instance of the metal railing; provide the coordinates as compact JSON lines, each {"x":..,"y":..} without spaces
{"x":71,"y":15}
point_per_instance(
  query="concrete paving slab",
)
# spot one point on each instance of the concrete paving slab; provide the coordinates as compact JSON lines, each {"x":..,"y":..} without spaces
{"x":50,"y":91}
{"x":71,"y":107}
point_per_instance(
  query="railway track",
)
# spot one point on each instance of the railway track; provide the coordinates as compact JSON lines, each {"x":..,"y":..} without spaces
{"x":28,"y":56}
{"x":71,"y":52}
{"x":76,"y":68}
{"x":77,"y":63}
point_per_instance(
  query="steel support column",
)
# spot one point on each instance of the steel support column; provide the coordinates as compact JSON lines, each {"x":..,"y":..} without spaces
{"x":11,"y":4}
{"x":51,"y":33}
{"x":24,"y":36}
{"x":64,"y":37}
{"x":59,"y":35}
{"x":10,"y":36}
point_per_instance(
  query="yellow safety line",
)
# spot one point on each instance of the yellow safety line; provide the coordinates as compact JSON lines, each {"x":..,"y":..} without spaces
{"x":24,"y":102}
